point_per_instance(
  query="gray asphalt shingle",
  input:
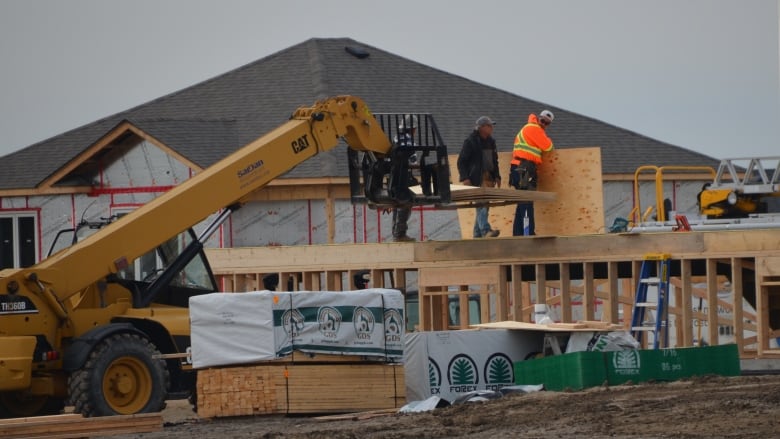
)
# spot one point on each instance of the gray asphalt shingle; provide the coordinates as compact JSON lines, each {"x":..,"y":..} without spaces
{"x":208,"y":120}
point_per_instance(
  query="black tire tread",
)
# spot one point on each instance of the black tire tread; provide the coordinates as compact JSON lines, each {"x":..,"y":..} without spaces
{"x":82,"y":394}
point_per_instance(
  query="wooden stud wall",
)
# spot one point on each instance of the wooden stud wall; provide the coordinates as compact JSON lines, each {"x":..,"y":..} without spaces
{"x":498,"y":267}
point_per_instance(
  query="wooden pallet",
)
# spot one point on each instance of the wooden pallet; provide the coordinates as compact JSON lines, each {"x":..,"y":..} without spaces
{"x":76,"y":426}
{"x":299,"y":388}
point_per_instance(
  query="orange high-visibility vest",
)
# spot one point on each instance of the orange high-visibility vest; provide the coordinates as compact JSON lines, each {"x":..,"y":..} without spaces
{"x":530,"y":142}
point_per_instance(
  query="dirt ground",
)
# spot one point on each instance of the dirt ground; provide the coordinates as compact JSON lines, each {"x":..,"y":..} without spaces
{"x":711,"y":407}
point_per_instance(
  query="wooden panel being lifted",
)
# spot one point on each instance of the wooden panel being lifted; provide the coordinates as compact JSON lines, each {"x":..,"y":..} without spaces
{"x":573,"y":175}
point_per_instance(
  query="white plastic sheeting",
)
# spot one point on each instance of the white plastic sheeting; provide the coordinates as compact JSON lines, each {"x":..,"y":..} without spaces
{"x":241,"y":328}
{"x":449,"y":364}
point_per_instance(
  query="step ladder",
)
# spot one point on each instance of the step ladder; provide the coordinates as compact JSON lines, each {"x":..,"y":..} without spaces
{"x":654,"y":272}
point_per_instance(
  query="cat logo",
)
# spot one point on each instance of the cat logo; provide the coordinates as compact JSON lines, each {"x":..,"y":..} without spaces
{"x":300,"y":144}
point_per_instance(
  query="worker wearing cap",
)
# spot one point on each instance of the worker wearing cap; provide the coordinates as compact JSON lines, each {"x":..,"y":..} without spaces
{"x":530,"y":142}
{"x":478,"y":166}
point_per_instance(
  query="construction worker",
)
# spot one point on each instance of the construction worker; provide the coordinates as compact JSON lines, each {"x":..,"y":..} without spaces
{"x":407,"y":127}
{"x":362,"y":279}
{"x":530,"y":142}
{"x":478,"y":166}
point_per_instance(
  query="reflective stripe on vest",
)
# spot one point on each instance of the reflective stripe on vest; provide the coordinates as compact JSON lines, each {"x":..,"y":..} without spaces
{"x":522,"y":150}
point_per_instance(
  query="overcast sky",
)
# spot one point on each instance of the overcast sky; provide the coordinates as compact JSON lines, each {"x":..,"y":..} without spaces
{"x":700,"y":74}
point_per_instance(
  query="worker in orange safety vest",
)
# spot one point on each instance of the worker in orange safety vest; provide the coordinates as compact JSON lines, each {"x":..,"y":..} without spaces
{"x":530,"y":142}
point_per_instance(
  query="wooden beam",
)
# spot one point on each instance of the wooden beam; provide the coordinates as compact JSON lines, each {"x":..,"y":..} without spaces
{"x":588,"y":248}
{"x":502,"y":295}
{"x":738,"y":319}
{"x":565,"y":292}
{"x":517,"y":293}
{"x":686,"y":303}
{"x":76,"y":426}
{"x":712,"y":301}
{"x":589,"y":290}
{"x":541,"y":286}
{"x":611,"y":307}
{"x":330,"y":216}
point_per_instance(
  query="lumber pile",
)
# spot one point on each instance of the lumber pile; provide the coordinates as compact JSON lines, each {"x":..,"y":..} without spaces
{"x":77,"y":426}
{"x":305,"y":387}
{"x":466,"y":196}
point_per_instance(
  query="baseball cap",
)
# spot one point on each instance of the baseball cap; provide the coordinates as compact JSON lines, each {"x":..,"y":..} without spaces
{"x":484,"y":120}
{"x":548,"y":114}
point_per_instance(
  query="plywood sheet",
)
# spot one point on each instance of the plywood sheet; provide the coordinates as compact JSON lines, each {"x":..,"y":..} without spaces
{"x":573,"y":175}
{"x":554,"y":327}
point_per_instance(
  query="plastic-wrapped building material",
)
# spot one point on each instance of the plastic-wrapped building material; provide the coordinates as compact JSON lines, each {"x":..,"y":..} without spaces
{"x":242,"y":328}
{"x":449,"y":364}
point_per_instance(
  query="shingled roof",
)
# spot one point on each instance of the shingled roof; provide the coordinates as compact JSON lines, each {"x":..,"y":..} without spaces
{"x":208,"y":120}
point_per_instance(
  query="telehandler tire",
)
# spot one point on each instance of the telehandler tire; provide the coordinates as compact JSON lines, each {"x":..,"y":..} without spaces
{"x":21,"y":405}
{"x":120,"y":377}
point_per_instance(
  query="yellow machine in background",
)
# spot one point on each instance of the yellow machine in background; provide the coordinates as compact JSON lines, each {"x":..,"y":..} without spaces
{"x":727,"y":203}
{"x":738,"y":196}
{"x":81,"y":326}
{"x":733,"y":196}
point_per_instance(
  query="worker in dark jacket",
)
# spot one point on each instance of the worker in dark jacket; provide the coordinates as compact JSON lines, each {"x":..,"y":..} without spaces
{"x":478,"y":166}
{"x":403,"y":152}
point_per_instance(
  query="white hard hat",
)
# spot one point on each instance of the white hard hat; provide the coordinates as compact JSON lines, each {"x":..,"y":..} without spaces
{"x":548,"y":114}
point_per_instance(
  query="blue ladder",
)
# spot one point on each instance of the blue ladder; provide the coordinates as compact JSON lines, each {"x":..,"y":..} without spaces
{"x":659,"y":264}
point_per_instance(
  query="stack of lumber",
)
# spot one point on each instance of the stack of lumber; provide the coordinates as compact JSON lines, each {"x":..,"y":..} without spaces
{"x":300,"y":387}
{"x":76,"y":426}
{"x":465,"y":196}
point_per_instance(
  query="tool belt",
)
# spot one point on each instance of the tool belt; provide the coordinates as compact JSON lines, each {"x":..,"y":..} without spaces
{"x":523,"y":176}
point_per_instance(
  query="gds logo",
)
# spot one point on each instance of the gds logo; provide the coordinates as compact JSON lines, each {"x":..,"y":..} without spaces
{"x":329,"y":319}
{"x":292,"y":322}
{"x":393,"y":326}
{"x":364,"y":323}
{"x":462,"y":374}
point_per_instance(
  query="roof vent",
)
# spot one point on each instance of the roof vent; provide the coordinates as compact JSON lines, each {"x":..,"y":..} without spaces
{"x":357,"y":52}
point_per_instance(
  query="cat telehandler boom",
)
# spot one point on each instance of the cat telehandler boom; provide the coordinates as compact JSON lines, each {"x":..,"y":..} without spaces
{"x":81,"y":327}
